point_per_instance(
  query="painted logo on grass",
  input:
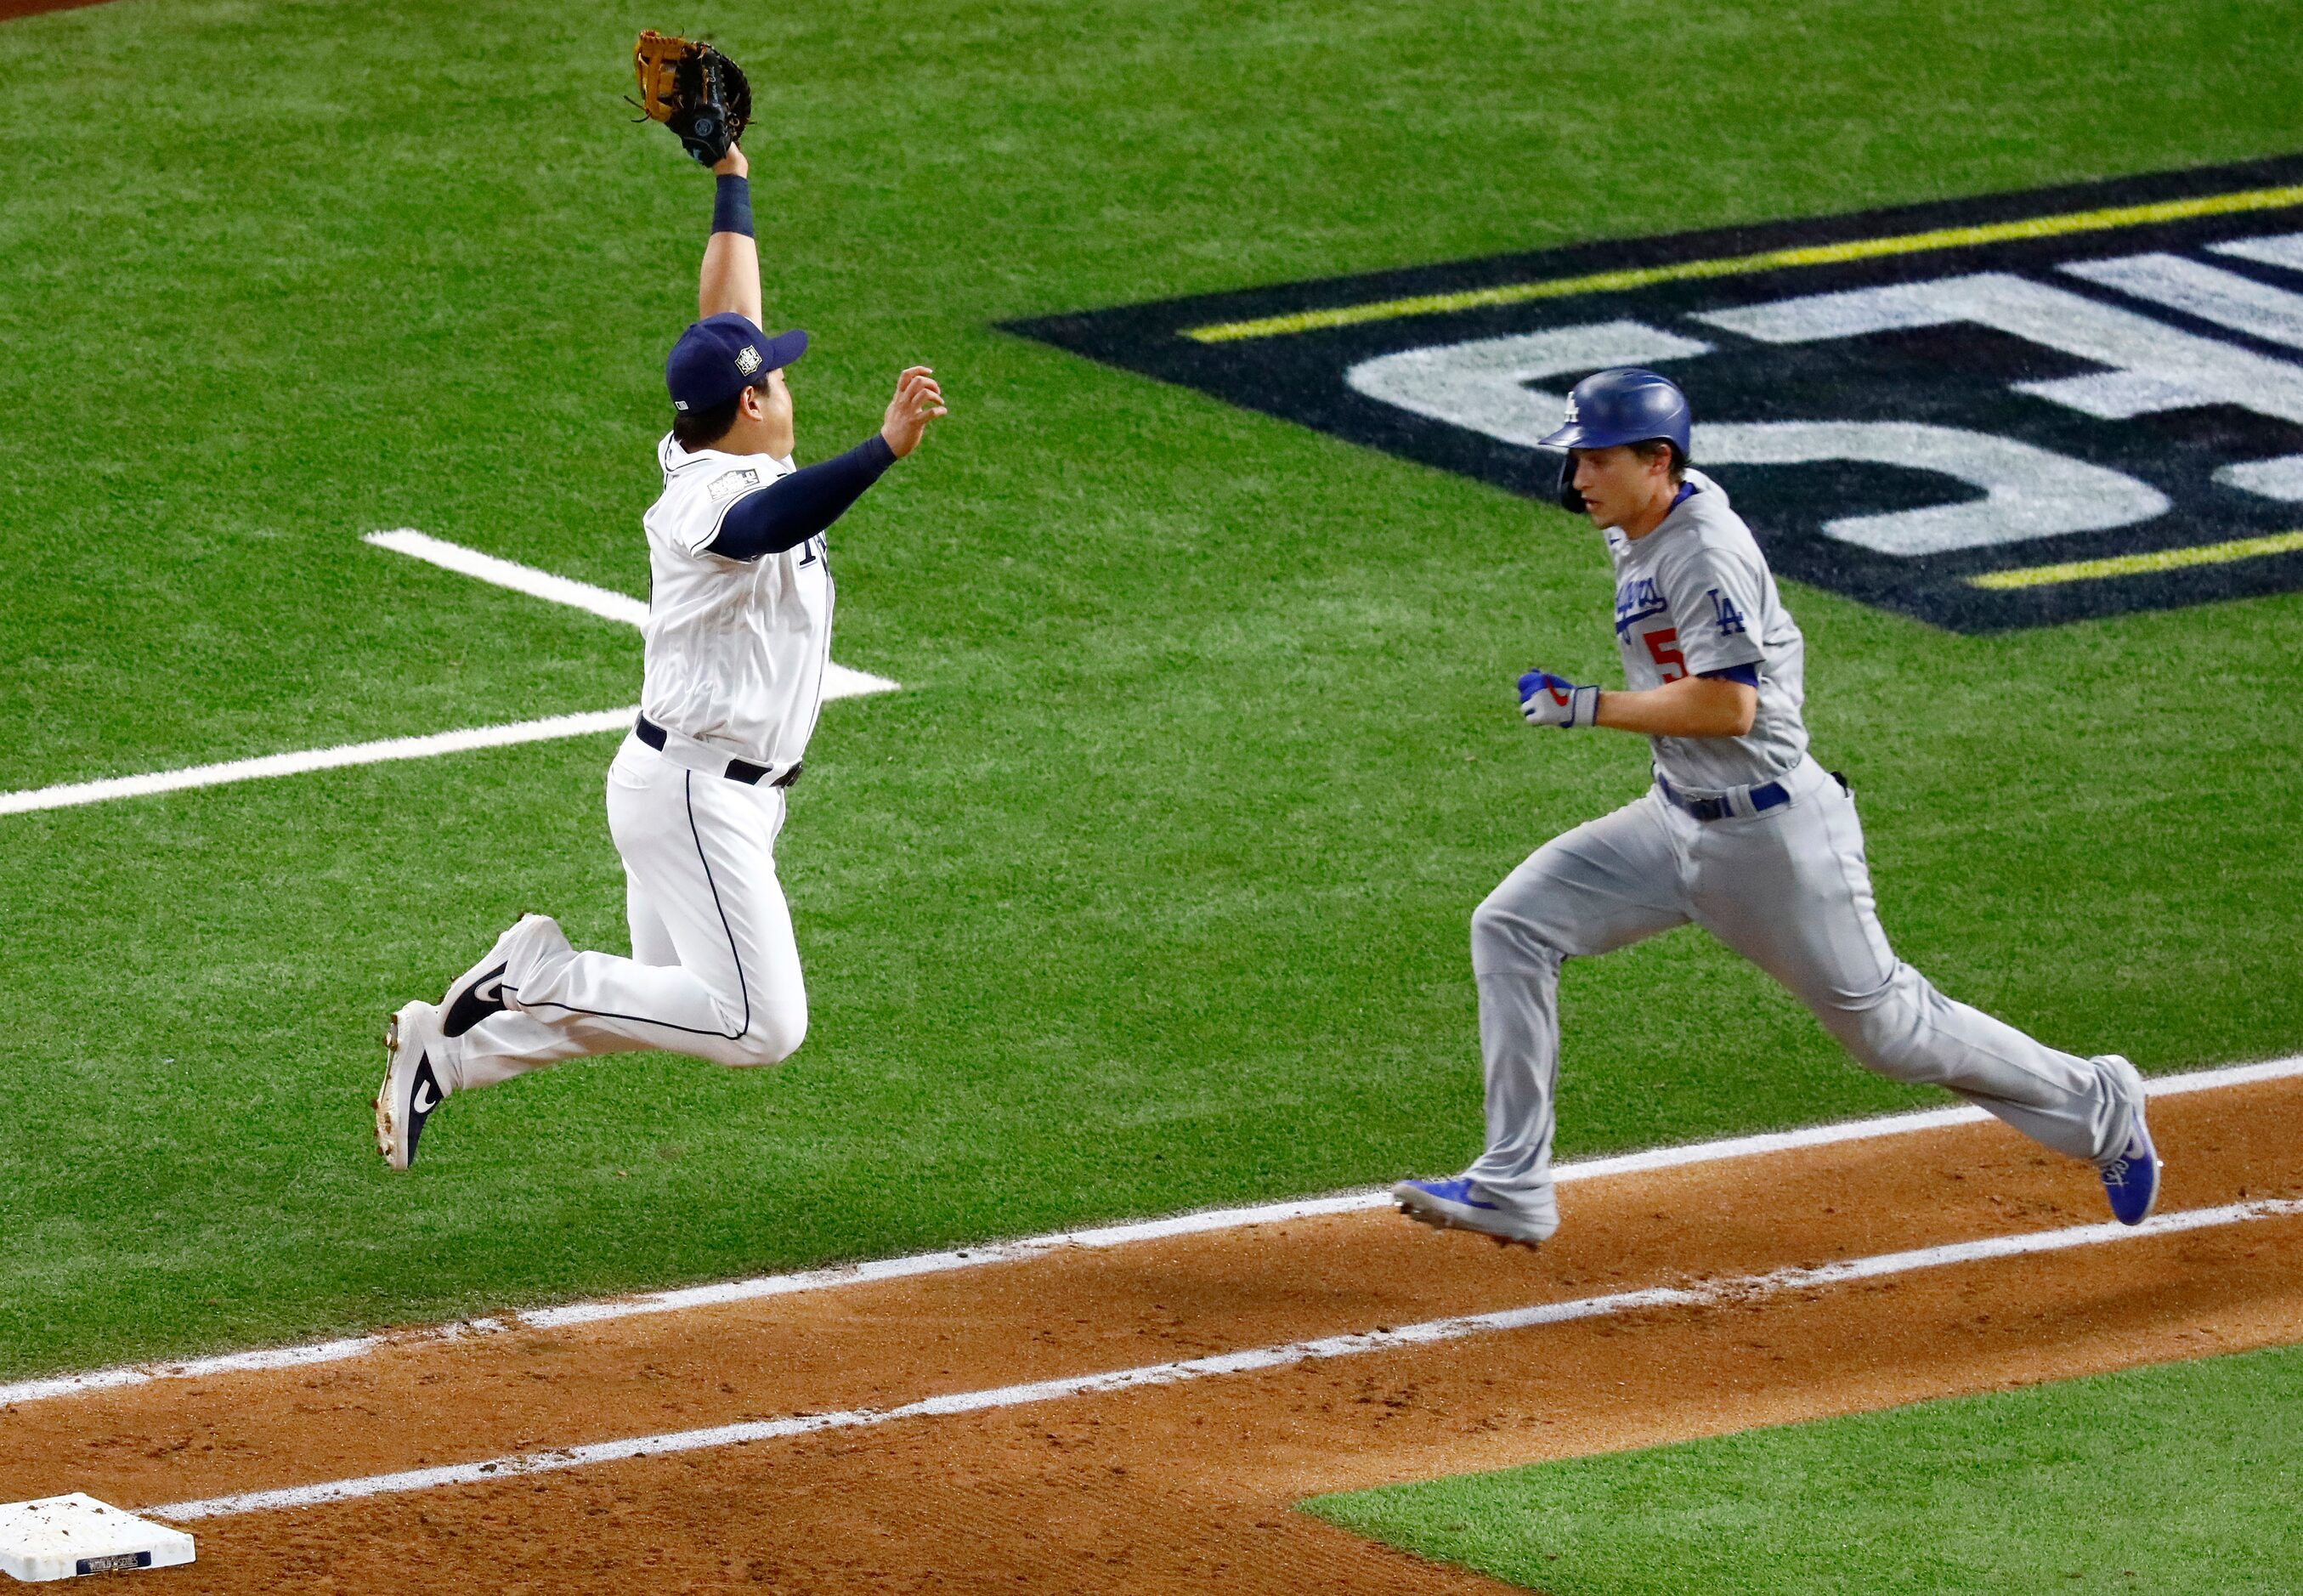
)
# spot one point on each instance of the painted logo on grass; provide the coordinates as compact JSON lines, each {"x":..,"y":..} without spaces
{"x":2001,"y":412}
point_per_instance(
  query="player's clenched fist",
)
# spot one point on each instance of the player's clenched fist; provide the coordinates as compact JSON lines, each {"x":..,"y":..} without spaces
{"x":1548,"y":700}
{"x":918,"y":400}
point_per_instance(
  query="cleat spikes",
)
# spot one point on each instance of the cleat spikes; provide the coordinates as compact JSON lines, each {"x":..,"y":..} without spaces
{"x":1422,"y":1217}
{"x":1440,"y":1221}
{"x":1458,"y":1205}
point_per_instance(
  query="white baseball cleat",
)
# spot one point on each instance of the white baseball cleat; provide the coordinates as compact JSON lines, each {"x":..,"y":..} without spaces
{"x":1456,"y":1205}
{"x":478,"y":991}
{"x":411,"y":1086}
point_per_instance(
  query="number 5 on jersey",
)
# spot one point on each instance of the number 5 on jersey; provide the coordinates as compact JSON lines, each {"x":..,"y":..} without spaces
{"x":1663,"y":647}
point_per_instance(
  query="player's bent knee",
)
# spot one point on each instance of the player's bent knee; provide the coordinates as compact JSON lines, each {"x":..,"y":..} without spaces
{"x":1504,"y":938}
{"x":772,"y":1039}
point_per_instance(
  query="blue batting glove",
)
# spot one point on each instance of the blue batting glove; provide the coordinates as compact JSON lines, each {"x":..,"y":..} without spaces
{"x":1548,"y":700}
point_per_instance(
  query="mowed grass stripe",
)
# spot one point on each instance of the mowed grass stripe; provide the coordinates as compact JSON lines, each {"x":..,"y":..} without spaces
{"x":1766,"y":260}
{"x":2136,"y":565}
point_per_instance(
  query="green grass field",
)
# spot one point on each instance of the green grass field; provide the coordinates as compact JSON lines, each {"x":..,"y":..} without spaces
{"x":2172,"y":1479}
{"x":1149,"y":889}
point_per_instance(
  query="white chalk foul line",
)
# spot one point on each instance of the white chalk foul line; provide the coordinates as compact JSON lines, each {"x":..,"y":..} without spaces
{"x":1431,"y":1332}
{"x":586,"y":724}
{"x":1205,"y":1221}
{"x":603,"y":602}
{"x":839,"y":682}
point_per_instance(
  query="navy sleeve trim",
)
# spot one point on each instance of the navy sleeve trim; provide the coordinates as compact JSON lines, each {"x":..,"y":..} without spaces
{"x":791,"y":509}
{"x":732,"y":204}
{"x":1749,"y":675}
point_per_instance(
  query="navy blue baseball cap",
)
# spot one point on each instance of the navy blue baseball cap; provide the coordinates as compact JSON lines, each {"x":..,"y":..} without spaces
{"x":721,"y":356}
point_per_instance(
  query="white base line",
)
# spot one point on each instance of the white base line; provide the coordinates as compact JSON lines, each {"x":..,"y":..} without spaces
{"x":586,"y":724}
{"x":839,"y":682}
{"x":1012,"y":1252}
{"x":603,"y":602}
{"x":1431,"y":1332}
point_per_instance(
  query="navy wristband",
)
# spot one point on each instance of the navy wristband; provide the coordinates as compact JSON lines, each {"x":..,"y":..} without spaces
{"x":731,"y":206}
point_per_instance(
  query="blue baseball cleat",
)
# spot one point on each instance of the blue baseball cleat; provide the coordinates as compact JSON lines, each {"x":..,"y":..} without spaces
{"x":2130,"y":1176}
{"x":1456,"y":1205}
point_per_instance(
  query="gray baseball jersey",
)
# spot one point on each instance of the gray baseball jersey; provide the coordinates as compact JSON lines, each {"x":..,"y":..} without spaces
{"x":1788,"y":887}
{"x":1694,"y":597}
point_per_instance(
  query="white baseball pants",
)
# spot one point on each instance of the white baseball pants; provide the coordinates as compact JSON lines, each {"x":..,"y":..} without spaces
{"x":714,"y":970}
{"x":1789,"y":890}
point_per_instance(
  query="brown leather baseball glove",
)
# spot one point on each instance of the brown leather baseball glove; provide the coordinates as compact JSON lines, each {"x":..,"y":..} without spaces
{"x":696,"y":91}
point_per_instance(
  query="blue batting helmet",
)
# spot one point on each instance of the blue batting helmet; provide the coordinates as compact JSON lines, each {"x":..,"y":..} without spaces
{"x":1626,"y":405}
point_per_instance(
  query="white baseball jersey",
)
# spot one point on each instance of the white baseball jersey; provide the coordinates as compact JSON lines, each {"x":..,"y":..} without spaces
{"x":734,"y":648}
{"x":1695,"y":597}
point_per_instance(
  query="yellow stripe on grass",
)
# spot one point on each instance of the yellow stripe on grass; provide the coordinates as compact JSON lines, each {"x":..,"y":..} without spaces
{"x":2136,"y":565}
{"x":1732,"y":266}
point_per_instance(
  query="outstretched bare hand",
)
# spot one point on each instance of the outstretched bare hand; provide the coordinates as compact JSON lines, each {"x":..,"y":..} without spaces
{"x":917,"y":401}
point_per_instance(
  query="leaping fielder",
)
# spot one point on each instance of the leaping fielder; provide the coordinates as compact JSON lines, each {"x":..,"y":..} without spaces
{"x":737,"y":635}
{"x":1743,"y":832}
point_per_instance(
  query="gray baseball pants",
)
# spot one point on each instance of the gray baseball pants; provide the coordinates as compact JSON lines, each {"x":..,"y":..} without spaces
{"x":1788,"y":889}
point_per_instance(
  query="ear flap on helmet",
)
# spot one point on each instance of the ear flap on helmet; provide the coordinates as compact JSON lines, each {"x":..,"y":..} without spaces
{"x":1564,"y":489}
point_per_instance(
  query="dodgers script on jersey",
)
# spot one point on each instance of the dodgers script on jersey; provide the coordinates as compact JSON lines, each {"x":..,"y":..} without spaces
{"x":1695,"y":597}
{"x":736,"y":649}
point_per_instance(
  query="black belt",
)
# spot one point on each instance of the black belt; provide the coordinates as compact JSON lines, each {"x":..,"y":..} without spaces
{"x":739,"y":769}
{"x":1763,"y":798}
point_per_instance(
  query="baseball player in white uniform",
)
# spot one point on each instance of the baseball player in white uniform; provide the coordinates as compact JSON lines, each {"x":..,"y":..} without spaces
{"x":737,"y":635}
{"x":1743,"y":832}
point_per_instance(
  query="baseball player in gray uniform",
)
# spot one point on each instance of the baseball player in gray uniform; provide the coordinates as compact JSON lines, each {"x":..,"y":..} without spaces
{"x":1743,"y":832}
{"x":739,"y":632}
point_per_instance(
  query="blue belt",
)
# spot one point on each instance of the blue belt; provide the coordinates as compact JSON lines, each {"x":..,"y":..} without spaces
{"x":1763,"y":798}
{"x":739,"y":769}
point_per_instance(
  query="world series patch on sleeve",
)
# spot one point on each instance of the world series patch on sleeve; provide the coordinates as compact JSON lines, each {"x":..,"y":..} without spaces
{"x":2009,"y":411}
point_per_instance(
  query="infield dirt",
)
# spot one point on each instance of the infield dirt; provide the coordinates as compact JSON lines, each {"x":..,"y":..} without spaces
{"x":1192,"y":1486}
{"x":32,"y":8}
